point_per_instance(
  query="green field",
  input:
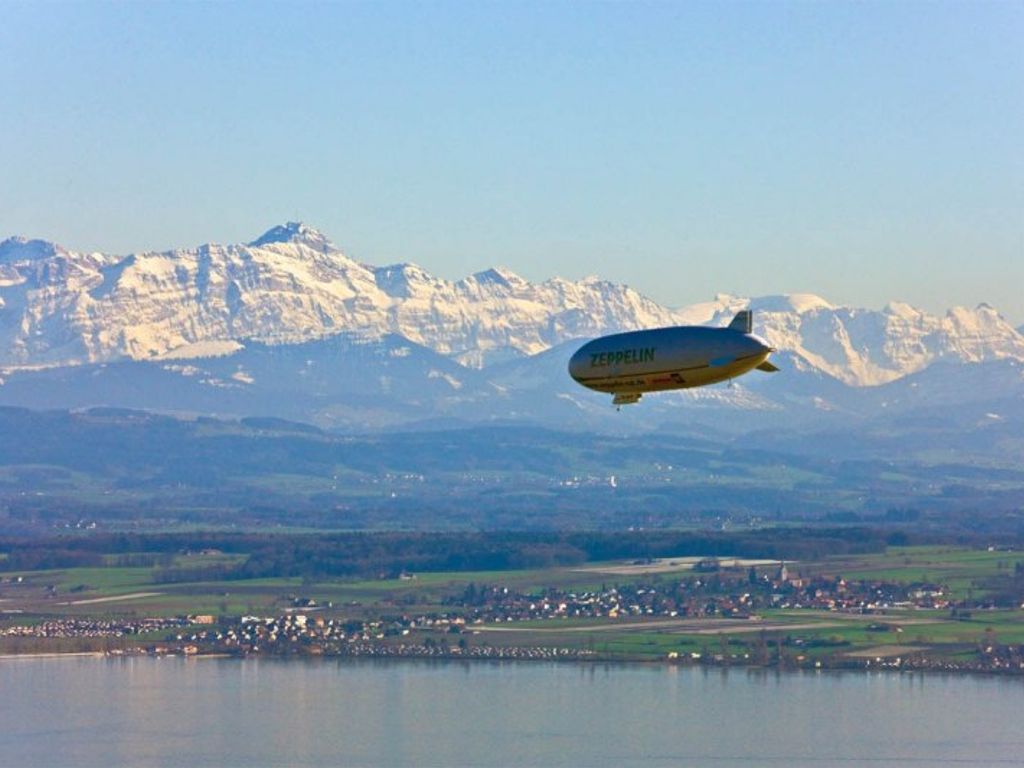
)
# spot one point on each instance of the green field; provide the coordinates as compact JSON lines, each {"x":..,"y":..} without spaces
{"x":135,"y":591}
{"x":964,"y":571}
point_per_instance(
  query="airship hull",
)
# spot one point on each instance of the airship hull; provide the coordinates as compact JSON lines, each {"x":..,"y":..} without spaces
{"x":630,"y":364}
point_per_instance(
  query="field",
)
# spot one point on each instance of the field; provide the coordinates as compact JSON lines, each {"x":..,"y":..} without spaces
{"x":810,"y":633}
{"x":964,"y":571}
{"x":799,"y":634}
{"x":113,"y":591}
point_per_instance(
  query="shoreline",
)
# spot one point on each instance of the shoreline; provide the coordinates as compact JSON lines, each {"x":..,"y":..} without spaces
{"x":53,"y":655}
{"x":856,"y":665}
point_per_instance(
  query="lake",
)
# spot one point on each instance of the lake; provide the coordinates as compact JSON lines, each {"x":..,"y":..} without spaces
{"x":78,"y":711}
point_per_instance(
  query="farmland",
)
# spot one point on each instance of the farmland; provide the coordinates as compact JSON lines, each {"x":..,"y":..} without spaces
{"x":952,"y":607}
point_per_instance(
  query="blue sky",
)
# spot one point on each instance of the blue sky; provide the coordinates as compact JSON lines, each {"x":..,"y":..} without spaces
{"x":865,"y":152}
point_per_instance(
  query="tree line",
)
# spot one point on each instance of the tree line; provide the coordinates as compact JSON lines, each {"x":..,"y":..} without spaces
{"x":389,"y":553}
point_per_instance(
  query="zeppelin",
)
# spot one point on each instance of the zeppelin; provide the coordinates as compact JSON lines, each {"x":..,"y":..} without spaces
{"x":629,"y":365}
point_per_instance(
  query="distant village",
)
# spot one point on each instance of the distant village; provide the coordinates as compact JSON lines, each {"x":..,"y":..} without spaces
{"x":307,"y":628}
{"x":713,"y":593}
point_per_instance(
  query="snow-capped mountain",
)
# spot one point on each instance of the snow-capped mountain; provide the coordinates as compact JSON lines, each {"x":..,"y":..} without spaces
{"x":293,"y":286}
{"x":289,"y":286}
{"x":864,"y":347}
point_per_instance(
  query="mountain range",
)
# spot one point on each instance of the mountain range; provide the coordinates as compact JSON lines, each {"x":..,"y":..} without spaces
{"x":288,"y":325}
{"x":282,"y":382}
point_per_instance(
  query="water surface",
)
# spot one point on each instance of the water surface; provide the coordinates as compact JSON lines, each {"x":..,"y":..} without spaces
{"x":207,"y":712}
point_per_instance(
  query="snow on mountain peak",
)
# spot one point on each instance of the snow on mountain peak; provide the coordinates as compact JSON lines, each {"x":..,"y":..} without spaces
{"x":865,"y":348}
{"x":903,"y":310}
{"x":23,"y":249}
{"x":800,"y":303}
{"x":293,"y":232}
{"x":67,"y":308}
{"x":403,"y":280}
{"x":717,"y":312}
{"x":728,"y":299}
{"x":501,"y":276}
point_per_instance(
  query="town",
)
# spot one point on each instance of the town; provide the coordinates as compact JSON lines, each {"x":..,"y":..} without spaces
{"x":720,"y":614}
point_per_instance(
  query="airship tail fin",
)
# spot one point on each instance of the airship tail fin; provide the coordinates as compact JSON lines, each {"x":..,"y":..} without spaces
{"x":743,"y":322}
{"x":767,"y":367}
